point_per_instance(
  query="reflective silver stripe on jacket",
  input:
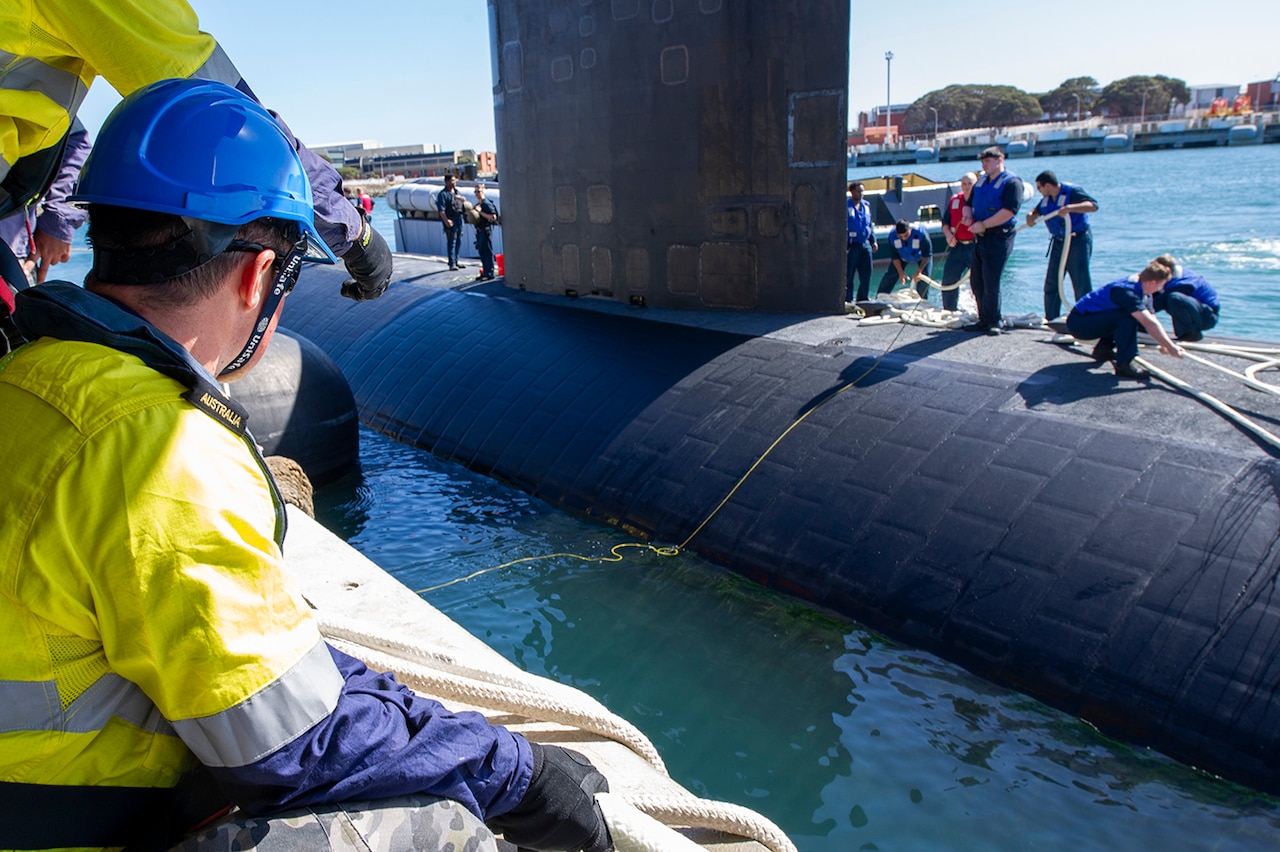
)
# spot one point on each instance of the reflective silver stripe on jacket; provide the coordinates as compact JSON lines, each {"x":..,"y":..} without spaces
{"x":269,"y":719}
{"x":34,"y":706}
{"x":28,"y":74}
{"x":220,"y":68}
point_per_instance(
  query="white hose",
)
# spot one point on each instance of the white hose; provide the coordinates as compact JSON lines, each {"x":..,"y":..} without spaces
{"x":1067,"y":301}
{"x":1213,"y":402}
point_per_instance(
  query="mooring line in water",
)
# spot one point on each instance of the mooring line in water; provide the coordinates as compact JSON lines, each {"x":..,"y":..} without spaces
{"x":614,"y":557}
{"x":662,"y":550}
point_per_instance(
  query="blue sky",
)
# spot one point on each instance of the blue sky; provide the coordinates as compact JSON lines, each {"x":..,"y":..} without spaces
{"x":410,"y":71}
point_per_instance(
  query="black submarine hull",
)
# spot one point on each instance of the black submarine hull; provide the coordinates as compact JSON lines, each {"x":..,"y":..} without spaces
{"x":1115,"y":557}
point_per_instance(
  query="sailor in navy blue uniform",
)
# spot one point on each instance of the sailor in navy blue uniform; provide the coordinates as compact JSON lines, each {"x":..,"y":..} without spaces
{"x":1190,"y":300}
{"x":1058,"y":203}
{"x":992,"y":207}
{"x":1112,"y":314}
{"x":862,"y":243}
{"x":910,"y":245}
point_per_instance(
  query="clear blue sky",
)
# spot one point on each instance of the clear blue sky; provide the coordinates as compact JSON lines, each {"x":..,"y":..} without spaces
{"x":343,"y":71}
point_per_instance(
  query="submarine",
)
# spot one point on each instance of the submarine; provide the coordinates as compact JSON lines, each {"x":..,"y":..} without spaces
{"x":668,"y":354}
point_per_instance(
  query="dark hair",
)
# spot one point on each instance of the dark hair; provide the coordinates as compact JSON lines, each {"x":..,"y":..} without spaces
{"x":123,"y":231}
{"x":902,"y":226}
{"x":1047,"y":176}
{"x":854,"y":183}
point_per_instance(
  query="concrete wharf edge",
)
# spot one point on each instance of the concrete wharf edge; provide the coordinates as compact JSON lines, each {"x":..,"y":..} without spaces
{"x":1111,"y":548}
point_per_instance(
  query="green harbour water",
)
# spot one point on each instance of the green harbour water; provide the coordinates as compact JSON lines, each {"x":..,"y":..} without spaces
{"x":846,"y":740}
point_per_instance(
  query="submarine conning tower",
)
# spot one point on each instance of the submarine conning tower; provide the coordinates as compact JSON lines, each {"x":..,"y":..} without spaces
{"x":674,"y":153}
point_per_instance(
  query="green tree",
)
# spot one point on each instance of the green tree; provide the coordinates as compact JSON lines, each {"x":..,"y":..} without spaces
{"x":349,"y":172}
{"x":1062,"y":100}
{"x":961,"y":106}
{"x":1140,"y":93}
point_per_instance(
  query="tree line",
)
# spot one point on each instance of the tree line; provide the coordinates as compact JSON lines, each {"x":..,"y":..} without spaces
{"x":976,"y":105}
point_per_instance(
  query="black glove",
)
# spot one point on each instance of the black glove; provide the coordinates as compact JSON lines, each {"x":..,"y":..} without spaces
{"x":558,"y":812}
{"x":369,"y":262}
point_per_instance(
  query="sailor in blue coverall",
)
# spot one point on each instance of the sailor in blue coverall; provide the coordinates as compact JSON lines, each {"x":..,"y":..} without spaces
{"x":910,"y":245}
{"x":1190,"y":300}
{"x":1058,"y":202}
{"x":862,"y":243}
{"x":1111,"y":315}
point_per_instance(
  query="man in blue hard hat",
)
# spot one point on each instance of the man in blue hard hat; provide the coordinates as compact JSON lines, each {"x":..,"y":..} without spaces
{"x":155,"y":665}
{"x":52,"y":51}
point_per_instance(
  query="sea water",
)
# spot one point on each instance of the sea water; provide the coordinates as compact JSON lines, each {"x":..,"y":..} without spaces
{"x":846,"y":740}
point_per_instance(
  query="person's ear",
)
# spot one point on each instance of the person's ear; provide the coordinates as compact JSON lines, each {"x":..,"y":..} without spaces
{"x":251,"y":289}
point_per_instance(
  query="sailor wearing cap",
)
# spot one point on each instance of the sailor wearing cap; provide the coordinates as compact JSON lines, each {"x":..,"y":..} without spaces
{"x":992,"y":207}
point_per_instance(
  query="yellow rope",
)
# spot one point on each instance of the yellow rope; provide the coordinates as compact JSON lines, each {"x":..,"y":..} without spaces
{"x":615,"y":557}
{"x":675,"y":551}
{"x":797,"y":422}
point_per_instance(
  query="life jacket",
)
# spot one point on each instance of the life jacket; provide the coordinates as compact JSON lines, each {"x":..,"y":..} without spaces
{"x":1056,"y":225}
{"x":987,"y":196}
{"x":910,"y":248}
{"x":859,"y":220}
{"x":955,"y":210}
{"x":1195,"y":286}
{"x":1097,"y":301}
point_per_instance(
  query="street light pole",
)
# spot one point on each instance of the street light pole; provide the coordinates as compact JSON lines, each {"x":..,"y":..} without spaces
{"x":888,"y":101}
{"x":1077,"y":94}
{"x":935,"y":123}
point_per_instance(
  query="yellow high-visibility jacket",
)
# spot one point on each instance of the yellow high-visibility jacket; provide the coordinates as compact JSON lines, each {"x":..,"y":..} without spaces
{"x":142,"y":594}
{"x":146,"y":619}
{"x":52,"y":50}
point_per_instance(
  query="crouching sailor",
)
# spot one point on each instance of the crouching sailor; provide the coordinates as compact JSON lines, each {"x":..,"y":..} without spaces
{"x":156,"y":667}
{"x":1111,"y":315}
{"x":1191,"y":301}
{"x":910,"y":244}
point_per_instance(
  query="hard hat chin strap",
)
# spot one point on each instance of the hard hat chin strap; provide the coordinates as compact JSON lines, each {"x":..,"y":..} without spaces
{"x":285,"y":279}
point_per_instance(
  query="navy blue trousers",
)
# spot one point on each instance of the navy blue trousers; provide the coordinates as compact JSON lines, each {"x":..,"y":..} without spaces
{"x":858,"y":263}
{"x":990,"y":254}
{"x":484,"y":245}
{"x":1189,"y":314}
{"x":1077,"y":270}
{"x":958,"y":260}
{"x":1117,"y":325}
{"x":453,"y":239}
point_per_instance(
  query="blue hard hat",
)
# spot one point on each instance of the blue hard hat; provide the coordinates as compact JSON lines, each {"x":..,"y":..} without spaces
{"x":202,"y":150}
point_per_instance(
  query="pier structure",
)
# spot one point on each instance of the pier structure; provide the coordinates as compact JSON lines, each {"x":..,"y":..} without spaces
{"x":1093,"y":136}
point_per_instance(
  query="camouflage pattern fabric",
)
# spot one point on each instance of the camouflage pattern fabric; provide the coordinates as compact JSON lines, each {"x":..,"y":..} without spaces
{"x":388,"y":825}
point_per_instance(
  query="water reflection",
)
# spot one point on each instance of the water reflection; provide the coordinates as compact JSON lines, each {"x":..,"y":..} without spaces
{"x":846,"y":740}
